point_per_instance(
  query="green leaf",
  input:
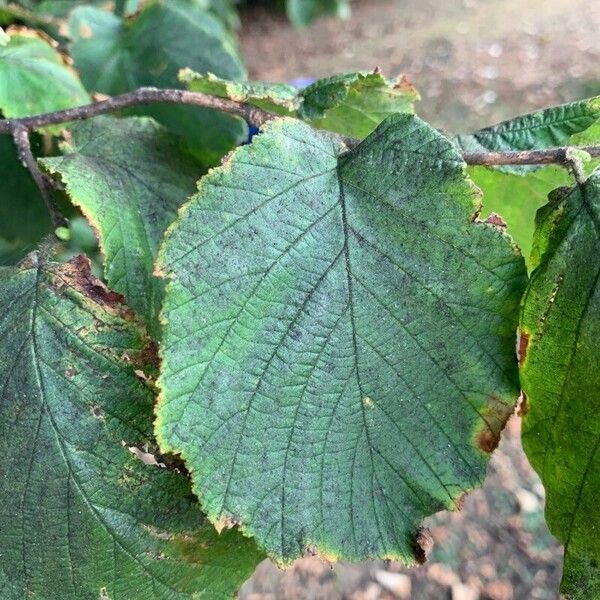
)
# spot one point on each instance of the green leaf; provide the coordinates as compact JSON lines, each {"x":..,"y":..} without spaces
{"x":352,"y":104}
{"x":560,"y":330}
{"x":278,"y":98}
{"x":115,"y":56}
{"x":226,"y":10}
{"x":24,"y":219}
{"x":338,"y":351}
{"x":82,"y":517}
{"x":60,"y":9}
{"x":548,"y":128}
{"x":34,"y":77}
{"x":128,"y":178}
{"x":516,"y":193}
{"x":517,"y":197}
{"x":303,"y":12}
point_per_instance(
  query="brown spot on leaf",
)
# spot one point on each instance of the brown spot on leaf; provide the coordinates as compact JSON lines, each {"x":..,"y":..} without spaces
{"x":226,"y":522}
{"x":70,"y":372}
{"x":423,"y":545}
{"x":488,"y":440}
{"x":97,"y":412}
{"x":495,"y":416}
{"x":497,"y":221}
{"x":522,"y":345}
{"x":104,"y":594}
{"x":77,"y":274}
{"x":148,"y":356}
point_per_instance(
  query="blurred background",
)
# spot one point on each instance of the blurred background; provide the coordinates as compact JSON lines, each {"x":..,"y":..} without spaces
{"x":475,"y":62}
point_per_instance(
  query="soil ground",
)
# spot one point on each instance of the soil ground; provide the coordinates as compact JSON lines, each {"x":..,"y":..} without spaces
{"x":475,"y":62}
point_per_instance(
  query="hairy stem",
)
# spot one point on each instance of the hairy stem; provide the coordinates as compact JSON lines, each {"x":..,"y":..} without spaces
{"x":22,"y":142}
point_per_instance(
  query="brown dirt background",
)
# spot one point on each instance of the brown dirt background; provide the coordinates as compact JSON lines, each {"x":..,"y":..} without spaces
{"x":475,"y":62}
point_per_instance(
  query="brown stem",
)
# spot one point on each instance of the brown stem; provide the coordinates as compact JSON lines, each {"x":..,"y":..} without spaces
{"x":20,"y":128}
{"x":250,"y":113}
{"x":257,"y":117}
{"x":547,"y":156}
{"x":21,"y":137}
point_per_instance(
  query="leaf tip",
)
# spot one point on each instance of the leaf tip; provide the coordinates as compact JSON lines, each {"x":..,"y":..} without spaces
{"x":495,"y":417}
{"x":423,"y":545}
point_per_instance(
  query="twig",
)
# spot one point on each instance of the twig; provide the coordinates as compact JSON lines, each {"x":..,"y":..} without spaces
{"x":21,"y":137}
{"x":252,"y":114}
{"x":547,"y":156}
{"x":258,"y":117}
{"x":21,"y":127}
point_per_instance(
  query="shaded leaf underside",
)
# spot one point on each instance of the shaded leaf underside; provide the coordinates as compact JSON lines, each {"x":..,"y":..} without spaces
{"x":339,"y":339}
{"x":115,"y":56}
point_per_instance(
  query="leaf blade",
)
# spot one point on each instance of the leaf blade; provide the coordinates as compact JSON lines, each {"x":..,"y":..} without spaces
{"x":268,"y":325}
{"x":559,"y":375}
{"x":129,"y":177}
{"x":81,"y":516}
{"x":34,"y":77}
{"x":116,"y":56}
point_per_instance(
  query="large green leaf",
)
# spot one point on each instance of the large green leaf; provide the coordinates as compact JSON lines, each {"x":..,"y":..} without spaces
{"x":352,"y":104}
{"x":517,"y":192}
{"x":338,"y":351}
{"x":560,"y":375}
{"x":81,"y":516}
{"x":34,"y":77}
{"x":115,"y":56}
{"x":129,"y":178}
